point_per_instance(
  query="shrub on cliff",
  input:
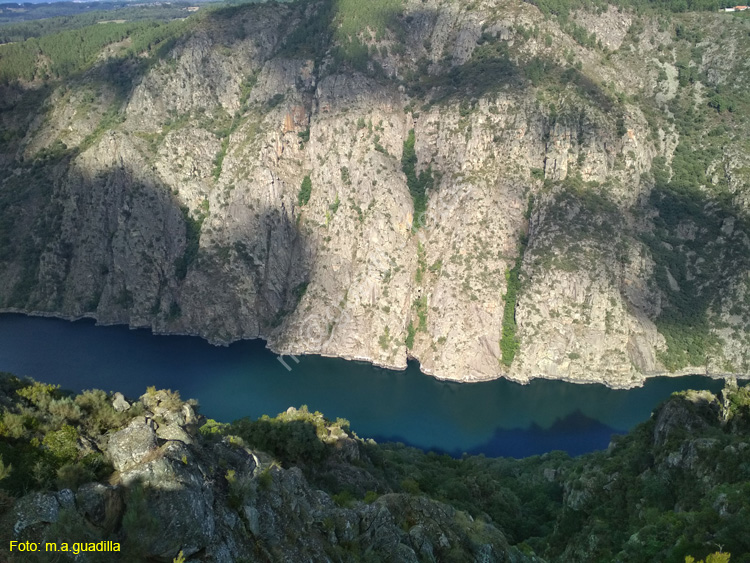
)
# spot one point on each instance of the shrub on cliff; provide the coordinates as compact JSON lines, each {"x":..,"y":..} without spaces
{"x":290,"y":441}
{"x":305,"y":191}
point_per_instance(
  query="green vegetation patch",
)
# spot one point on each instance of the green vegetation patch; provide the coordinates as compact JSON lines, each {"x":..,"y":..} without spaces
{"x":418,"y":183}
{"x":193,"y":227}
{"x":509,"y":341}
{"x":562,"y":9}
{"x":40,"y":430}
{"x":353,"y":18}
{"x":489,"y":68}
{"x":47,"y":19}
{"x":305,"y":191}
{"x":292,"y":437}
{"x":355,"y":23}
{"x":61,"y":55}
{"x":346,"y":25}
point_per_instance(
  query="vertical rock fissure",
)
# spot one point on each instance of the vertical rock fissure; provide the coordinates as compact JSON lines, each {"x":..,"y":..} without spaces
{"x":509,"y":341}
{"x":418,"y":184}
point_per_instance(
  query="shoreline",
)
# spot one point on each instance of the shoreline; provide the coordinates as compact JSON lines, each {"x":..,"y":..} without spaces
{"x":686,"y":372}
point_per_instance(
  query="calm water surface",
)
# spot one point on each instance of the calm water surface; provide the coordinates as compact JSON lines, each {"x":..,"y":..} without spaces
{"x":245,"y":379}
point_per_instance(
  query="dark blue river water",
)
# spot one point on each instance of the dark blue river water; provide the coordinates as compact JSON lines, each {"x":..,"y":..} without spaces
{"x":245,"y":379}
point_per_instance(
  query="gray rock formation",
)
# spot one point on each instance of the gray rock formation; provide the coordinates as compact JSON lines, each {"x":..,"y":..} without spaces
{"x":119,"y":403}
{"x":215,"y":500}
{"x":185,"y":217}
{"x":35,"y":509}
{"x":132,"y":445}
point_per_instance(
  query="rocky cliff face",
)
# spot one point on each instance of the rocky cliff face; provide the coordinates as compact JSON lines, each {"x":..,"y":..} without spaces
{"x":169,"y":194}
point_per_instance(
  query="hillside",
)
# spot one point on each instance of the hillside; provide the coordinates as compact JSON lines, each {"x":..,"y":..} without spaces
{"x":494,"y":189}
{"x":156,"y":477}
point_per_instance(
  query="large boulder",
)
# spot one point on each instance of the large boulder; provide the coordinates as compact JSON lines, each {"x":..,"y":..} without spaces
{"x":173,"y":432}
{"x":178,"y":497}
{"x":133,"y":444}
{"x":119,"y":403}
{"x":35,"y":509}
{"x":101,"y":505}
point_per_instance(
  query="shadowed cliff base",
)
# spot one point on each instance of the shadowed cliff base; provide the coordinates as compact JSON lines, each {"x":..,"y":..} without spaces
{"x":101,"y":274}
{"x":700,"y":247}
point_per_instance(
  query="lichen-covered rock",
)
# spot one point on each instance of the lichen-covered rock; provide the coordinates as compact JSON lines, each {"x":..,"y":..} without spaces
{"x":132,"y":444}
{"x":173,"y":432}
{"x":119,"y":403}
{"x":35,"y":509}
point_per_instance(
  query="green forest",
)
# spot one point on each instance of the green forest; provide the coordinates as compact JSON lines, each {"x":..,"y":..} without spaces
{"x":41,"y":23}
{"x":57,"y":47}
{"x":61,"y":55}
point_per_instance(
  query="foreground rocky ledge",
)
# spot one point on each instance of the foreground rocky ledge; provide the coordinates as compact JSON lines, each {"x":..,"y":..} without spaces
{"x":161,"y":480}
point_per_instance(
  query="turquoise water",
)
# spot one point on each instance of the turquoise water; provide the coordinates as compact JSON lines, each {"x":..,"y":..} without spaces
{"x":245,"y":379}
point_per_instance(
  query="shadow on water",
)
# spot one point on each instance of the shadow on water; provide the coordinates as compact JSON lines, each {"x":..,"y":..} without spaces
{"x":575,"y":434}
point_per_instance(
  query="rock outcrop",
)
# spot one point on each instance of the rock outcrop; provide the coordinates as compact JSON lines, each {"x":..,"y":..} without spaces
{"x":299,"y":487}
{"x":217,"y":500}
